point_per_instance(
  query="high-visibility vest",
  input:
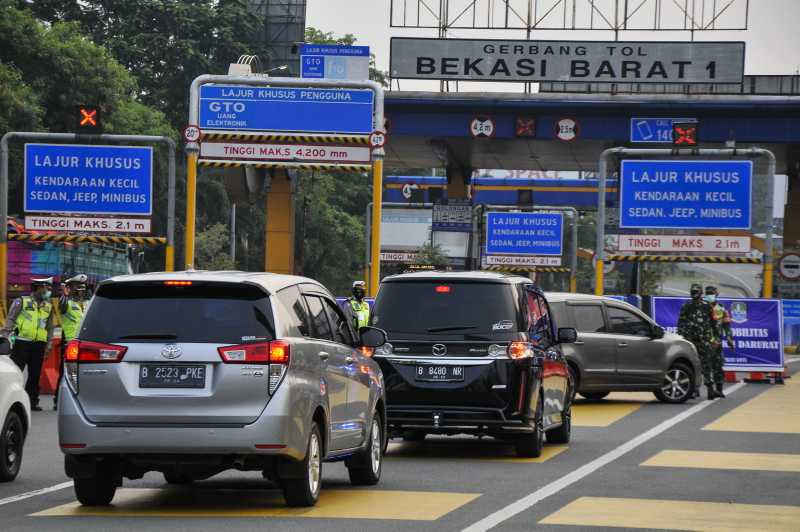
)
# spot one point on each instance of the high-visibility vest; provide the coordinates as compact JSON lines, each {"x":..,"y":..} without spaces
{"x":71,"y":320}
{"x":32,"y":320}
{"x":361,"y":311}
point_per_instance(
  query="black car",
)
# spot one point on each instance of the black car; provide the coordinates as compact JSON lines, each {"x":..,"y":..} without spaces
{"x":475,"y":353}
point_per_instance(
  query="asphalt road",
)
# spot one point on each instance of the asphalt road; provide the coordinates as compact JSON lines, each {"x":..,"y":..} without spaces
{"x":633,"y":462}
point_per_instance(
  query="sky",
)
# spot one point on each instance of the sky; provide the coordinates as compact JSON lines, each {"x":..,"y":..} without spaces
{"x":772,"y":38}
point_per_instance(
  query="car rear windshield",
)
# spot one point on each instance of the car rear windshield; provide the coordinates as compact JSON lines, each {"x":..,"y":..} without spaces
{"x":201,"y":313}
{"x":446,"y":308}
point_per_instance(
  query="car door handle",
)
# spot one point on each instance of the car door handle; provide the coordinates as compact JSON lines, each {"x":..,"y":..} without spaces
{"x":323,"y":355}
{"x":622,"y":344}
{"x":349,"y":360}
{"x":578,"y":342}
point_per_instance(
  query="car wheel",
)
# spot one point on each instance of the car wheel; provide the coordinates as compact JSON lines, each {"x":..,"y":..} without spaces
{"x":530,"y":445}
{"x":563,"y":433}
{"x":12,"y":439}
{"x":594,"y":396}
{"x":574,"y":380}
{"x":304,"y":491}
{"x":97,"y":490}
{"x":173,"y":477}
{"x":677,"y":386}
{"x":365,"y":467}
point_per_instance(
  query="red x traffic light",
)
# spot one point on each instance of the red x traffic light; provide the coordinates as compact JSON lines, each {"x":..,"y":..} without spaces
{"x":684,"y":134}
{"x":88,"y":119}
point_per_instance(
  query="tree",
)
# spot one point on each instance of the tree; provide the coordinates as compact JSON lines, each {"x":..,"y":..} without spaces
{"x":432,"y":255}
{"x":211,"y":249}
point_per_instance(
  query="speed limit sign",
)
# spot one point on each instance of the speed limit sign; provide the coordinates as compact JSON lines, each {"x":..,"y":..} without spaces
{"x":377,"y":139}
{"x":789,"y":266}
{"x":191,"y":133}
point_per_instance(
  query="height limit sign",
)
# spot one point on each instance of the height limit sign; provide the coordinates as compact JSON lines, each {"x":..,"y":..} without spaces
{"x":377,"y":139}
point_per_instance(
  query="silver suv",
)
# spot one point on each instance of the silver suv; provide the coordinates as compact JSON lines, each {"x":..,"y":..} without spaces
{"x":620,"y":349}
{"x":194,"y":373}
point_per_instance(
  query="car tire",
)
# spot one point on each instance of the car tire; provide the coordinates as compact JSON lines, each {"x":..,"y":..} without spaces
{"x":97,"y":490}
{"x":563,"y":433}
{"x":594,"y":396}
{"x":530,"y":445}
{"x":365,"y":467}
{"x":574,"y":381}
{"x":304,"y":491}
{"x":677,"y":386}
{"x":173,"y":477}
{"x":12,"y":441}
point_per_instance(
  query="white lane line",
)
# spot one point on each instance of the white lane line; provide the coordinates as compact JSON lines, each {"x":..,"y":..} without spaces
{"x":34,"y":493}
{"x":492,"y":520}
{"x":791,"y":360}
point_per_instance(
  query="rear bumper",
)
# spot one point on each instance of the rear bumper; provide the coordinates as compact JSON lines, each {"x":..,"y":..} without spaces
{"x":275,"y":428}
{"x":446,"y":419}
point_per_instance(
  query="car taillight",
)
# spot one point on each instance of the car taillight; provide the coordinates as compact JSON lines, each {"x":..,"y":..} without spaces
{"x":520,"y":350}
{"x":79,"y":351}
{"x":275,"y":353}
{"x":93,"y":352}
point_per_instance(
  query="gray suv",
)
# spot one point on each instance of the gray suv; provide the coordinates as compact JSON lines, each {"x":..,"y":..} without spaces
{"x":619,"y":348}
{"x":194,"y":373}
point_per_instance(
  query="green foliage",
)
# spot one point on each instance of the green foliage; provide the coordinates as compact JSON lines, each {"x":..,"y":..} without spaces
{"x":432,"y":255}
{"x":19,"y":104}
{"x":211,"y":249}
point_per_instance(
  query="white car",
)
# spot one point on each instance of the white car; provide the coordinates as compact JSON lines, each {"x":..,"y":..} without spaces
{"x":15,"y":415}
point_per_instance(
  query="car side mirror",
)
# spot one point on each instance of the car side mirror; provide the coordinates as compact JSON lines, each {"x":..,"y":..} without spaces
{"x":372,"y":336}
{"x":658,"y":333}
{"x":5,"y":346}
{"x":567,"y":335}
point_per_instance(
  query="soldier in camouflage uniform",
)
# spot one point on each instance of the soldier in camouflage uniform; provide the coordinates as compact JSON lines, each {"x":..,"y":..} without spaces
{"x":695,"y":324}
{"x":722,"y":332}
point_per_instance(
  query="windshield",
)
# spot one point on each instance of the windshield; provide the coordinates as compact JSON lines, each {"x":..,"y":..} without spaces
{"x":202,"y":313}
{"x":446,"y":308}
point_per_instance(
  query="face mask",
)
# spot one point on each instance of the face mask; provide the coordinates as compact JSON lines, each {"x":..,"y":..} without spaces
{"x":696,"y":295}
{"x":710,"y":298}
{"x":358,"y":293}
{"x":46,"y":294}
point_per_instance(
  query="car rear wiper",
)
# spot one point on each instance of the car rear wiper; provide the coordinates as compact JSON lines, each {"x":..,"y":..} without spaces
{"x":453,"y":328}
{"x":149,"y":336}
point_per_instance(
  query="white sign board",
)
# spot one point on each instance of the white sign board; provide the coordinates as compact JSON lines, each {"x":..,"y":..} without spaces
{"x":685,"y":243}
{"x":789,"y":266}
{"x":398,"y":257}
{"x":81,"y":224}
{"x":583,"y":61}
{"x":518,"y":260}
{"x":239,"y":151}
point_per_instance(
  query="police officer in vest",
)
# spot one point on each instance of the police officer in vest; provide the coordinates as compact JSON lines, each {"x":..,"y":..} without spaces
{"x":29,"y":318}
{"x":355,"y":308}
{"x":71,"y":306}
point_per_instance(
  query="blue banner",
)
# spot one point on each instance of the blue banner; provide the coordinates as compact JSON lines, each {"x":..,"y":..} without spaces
{"x":75,"y":179}
{"x":654,"y":130}
{"x":791,"y":321}
{"x":757,"y":330}
{"x":524,"y":233}
{"x":685,"y":194}
{"x":295,"y":109}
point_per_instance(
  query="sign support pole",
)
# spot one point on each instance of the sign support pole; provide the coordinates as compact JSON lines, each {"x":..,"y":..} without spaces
{"x":191,"y":206}
{"x":377,"y":199}
{"x":750,"y":153}
{"x":30,"y":135}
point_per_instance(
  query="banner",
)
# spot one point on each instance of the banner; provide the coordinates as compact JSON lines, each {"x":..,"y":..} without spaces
{"x":791,"y":321}
{"x":757,"y":330}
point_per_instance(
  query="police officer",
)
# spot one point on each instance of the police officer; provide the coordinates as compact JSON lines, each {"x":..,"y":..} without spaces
{"x":71,"y":306}
{"x":355,"y":308}
{"x":722,"y":332}
{"x":29,"y":318}
{"x":695,"y":324}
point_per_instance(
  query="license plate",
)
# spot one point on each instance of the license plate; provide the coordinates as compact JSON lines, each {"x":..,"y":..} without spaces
{"x":161,"y":376}
{"x":439,"y":373}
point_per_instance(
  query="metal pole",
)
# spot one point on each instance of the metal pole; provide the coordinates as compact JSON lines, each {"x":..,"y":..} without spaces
{"x":170,"y":251}
{"x":233,"y":233}
{"x":573,"y":252}
{"x":600,"y":243}
{"x":367,"y":242}
{"x":191,"y":206}
{"x":768,"y":266}
{"x":4,"y":220}
{"x":375,"y":247}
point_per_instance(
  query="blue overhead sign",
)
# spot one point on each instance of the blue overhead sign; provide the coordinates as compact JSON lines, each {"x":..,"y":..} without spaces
{"x":524,"y":233}
{"x":286,"y":109}
{"x":654,"y":130}
{"x":334,"y":61}
{"x":685,"y":194}
{"x":75,"y":179}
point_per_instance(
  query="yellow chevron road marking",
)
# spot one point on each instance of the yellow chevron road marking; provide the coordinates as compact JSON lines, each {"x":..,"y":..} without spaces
{"x":726,"y":460}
